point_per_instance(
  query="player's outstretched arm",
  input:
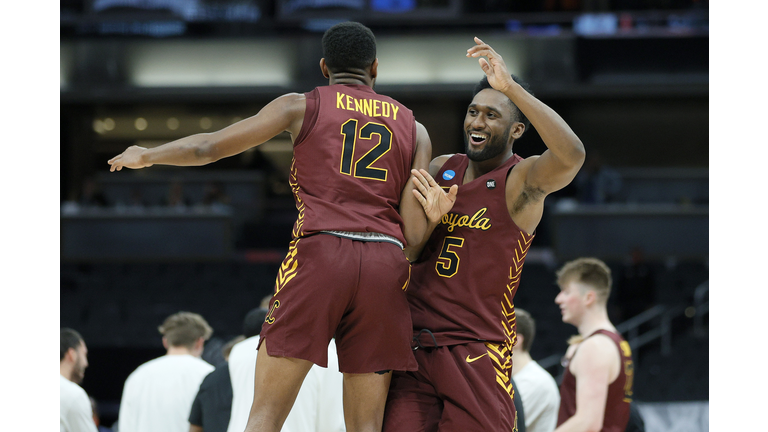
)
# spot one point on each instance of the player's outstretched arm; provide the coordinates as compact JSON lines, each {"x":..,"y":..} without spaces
{"x":285,"y":113}
{"x":560,"y":163}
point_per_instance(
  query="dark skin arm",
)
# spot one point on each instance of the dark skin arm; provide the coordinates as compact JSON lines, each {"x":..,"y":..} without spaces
{"x":532,"y":179}
{"x":414,"y":219}
{"x":435,"y":202}
{"x":286,"y":113}
{"x":537,"y":176}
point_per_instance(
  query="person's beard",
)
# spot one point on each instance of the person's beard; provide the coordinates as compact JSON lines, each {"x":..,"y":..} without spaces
{"x":494,"y":147}
{"x":78,"y":373}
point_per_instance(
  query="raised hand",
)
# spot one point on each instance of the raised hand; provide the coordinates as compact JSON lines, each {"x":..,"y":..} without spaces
{"x":431,"y":196}
{"x":494,"y":67}
{"x":130,"y":158}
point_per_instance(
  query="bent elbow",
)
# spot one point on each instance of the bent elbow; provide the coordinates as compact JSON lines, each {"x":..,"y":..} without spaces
{"x":579,"y":153}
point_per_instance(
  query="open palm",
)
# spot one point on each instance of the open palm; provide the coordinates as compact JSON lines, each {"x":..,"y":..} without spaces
{"x":435,"y":201}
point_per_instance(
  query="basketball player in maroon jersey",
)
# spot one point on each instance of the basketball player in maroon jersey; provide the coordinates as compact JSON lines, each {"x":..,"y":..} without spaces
{"x":596,"y":390}
{"x":463,"y":284}
{"x":345,"y":272}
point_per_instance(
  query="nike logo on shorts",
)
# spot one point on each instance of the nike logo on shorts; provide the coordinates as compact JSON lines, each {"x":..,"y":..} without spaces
{"x":469,"y":360}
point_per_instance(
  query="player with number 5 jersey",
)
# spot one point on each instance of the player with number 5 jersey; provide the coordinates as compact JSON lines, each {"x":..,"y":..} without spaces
{"x":464,"y":282}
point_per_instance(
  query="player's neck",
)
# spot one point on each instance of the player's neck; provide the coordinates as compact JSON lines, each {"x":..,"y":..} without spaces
{"x":593,"y":321}
{"x":520,"y":360}
{"x":350,"y":78}
{"x":477,"y":169}
{"x":65,"y":370}
{"x":174,"y":350}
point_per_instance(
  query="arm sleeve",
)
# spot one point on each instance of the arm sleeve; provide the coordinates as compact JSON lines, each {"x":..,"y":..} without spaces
{"x":196,"y":412}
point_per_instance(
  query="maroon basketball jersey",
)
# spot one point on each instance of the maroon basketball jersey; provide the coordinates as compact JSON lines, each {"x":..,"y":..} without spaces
{"x":351,"y":161}
{"x":463,"y":286}
{"x":619,"y":391}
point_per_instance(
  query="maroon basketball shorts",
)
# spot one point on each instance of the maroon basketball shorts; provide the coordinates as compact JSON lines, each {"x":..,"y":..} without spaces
{"x":354,"y":290}
{"x":456,"y":388}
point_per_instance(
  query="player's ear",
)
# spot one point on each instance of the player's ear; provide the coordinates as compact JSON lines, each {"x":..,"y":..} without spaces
{"x":324,"y":68}
{"x":519,"y":340}
{"x":517,"y":130}
{"x":590,"y":297}
{"x":375,"y":68}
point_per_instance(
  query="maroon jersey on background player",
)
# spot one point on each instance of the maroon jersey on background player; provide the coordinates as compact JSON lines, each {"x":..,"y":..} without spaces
{"x":351,"y":161}
{"x":619,"y":391}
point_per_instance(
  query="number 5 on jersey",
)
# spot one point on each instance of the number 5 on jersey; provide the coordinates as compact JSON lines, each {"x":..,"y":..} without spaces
{"x":363,"y":168}
{"x":448,"y":262}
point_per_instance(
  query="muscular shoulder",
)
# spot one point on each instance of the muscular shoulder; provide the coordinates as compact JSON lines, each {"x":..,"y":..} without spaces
{"x":437,"y":163}
{"x":293,"y":103}
{"x":597,"y":350}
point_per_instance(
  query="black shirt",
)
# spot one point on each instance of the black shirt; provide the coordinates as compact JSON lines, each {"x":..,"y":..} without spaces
{"x":213,"y":403}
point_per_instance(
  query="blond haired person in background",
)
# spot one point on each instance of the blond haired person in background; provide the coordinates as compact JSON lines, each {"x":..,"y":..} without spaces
{"x":158,"y":395}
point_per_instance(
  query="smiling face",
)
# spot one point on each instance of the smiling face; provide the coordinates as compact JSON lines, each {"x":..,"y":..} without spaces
{"x":488,"y":125}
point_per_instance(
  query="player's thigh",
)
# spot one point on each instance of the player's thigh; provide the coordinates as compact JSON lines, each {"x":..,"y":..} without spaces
{"x":412,"y":405}
{"x":277,"y":381}
{"x":474,"y":383}
{"x":376,"y":331}
{"x":314,"y":285}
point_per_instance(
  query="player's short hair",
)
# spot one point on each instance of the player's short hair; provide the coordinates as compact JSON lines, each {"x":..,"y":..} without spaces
{"x":183,"y":329}
{"x":349,"y":45}
{"x":590,"y":271}
{"x":253,"y":322}
{"x":519,"y":116}
{"x":525,"y":326}
{"x":69,"y":339}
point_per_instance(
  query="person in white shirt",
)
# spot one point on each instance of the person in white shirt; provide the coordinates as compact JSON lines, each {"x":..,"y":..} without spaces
{"x":318,"y":406}
{"x":75,"y":413}
{"x":158,"y":395}
{"x":538,"y":390}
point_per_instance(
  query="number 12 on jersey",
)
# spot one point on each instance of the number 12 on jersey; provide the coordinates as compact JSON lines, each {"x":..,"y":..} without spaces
{"x":448,"y":262}
{"x":363,"y":168}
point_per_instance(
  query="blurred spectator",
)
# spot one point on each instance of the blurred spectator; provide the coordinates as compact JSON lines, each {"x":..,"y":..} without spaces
{"x":318,"y":406}
{"x":137,"y":199}
{"x":213,"y":403}
{"x":96,"y":418}
{"x":158,"y":395}
{"x":214,"y":193}
{"x":91,"y":194}
{"x":215,"y":197}
{"x":176,"y":197}
{"x":538,"y":390}
{"x":597,"y":182}
{"x":75,"y":414}
{"x":266,"y":302}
